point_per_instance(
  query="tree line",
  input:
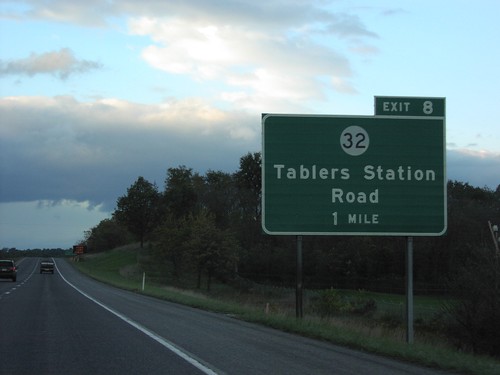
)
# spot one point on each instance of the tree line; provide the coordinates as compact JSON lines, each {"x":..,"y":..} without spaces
{"x":9,"y":253}
{"x":211,"y":223}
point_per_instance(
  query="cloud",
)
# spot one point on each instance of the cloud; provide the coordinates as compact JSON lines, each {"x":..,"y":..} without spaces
{"x":270,"y":15}
{"x":60,"y":63}
{"x":91,"y":13}
{"x":348,"y":25}
{"x":263,"y":65}
{"x":60,"y":148}
{"x":283,"y":53}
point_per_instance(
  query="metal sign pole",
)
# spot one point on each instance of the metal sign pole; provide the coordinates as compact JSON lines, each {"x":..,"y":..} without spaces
{"x":494,"y":234}
{"x":298,"y":290}
{"x":409,"y":290}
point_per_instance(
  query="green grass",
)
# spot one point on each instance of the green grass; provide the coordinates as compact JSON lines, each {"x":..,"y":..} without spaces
{"x":119,"y":268}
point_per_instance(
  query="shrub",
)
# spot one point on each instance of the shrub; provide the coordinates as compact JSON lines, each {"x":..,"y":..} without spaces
{"x":331,"y":302}
{"x":475,"y":314}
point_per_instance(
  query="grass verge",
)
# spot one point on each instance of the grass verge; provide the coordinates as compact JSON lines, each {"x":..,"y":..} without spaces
{"x":118,"y":268}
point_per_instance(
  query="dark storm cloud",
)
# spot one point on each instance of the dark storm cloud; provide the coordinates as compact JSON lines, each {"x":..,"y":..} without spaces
{"x":58,"y":148}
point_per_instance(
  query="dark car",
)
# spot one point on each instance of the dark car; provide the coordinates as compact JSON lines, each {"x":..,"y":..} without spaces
{"x":47,"y":266}
{"x":8,"y":269}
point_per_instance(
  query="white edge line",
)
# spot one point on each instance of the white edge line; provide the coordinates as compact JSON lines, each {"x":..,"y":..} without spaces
{"x":170,"y":346}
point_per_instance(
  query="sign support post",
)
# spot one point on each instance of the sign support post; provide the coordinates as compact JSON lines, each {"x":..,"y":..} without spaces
{"x":419,"y":107}
{"x":381,"y":175}
{"x":409,"y":290}
{"x":298,"y":290}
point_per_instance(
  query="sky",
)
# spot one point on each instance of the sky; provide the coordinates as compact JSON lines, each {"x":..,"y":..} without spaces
{"x":95,"y":93}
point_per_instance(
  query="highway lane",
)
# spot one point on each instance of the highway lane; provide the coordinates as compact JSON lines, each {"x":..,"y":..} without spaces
{"x":70,"y":322}
{"x":22,"y":274}
{"x":47,"y":327}
{"x":7,"y":286}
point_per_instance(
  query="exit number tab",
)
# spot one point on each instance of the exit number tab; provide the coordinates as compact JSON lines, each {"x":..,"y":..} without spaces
{"x":409,"y":106}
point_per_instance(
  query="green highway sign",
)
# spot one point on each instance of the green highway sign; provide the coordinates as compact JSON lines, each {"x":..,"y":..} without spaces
{"x":409,"y":106}
{"x":353,"y":175}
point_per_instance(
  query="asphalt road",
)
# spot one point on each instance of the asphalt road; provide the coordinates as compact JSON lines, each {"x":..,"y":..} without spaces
{"x":67,"y":323}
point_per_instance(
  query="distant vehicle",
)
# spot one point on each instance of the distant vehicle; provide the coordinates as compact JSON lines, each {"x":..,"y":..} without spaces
{"x":8,"y":269}
{"x":47,"y":266}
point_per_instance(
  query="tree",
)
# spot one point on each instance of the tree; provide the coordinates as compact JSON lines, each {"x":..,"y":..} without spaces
{"x":248,"y":181}
{"x":249,"y":190}
{"x":180,"y":194}
{"x":107,"y":235}
{"x":219,"y":197}
{"x":171,"y":245}
{"x":211,"y":249}
{"x":139,"y":209}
